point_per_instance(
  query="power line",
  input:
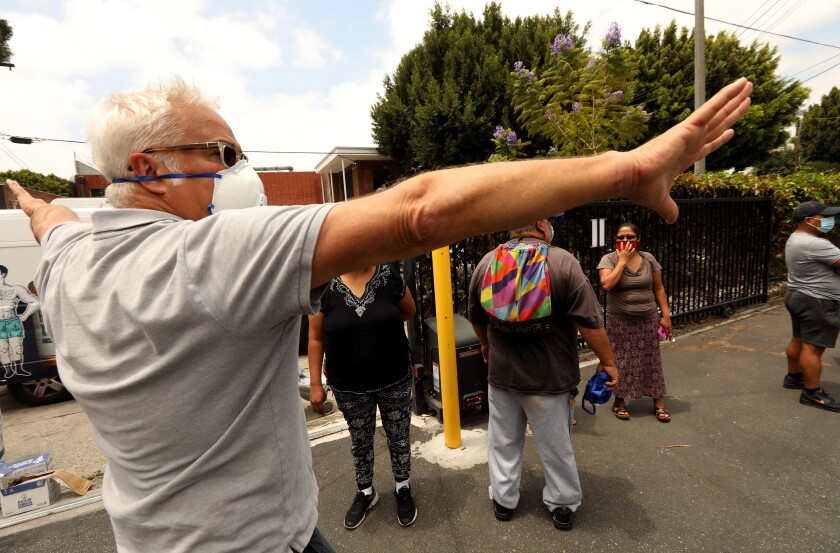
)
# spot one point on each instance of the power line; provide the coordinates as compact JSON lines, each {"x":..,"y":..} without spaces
{"x":740,"y":26}
{"x":821,"y":72}
{"x":12,"y":155}
{"x":816,"y":64}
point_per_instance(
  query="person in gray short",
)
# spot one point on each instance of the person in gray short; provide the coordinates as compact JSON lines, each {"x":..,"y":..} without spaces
{"x":176,"y":316}
{"x":813,"y":301}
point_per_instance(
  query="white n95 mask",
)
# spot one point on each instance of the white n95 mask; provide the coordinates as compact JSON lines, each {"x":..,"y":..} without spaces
{"x":237,"y":187}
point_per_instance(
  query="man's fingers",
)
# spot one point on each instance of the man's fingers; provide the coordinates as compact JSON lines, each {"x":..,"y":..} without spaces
{"x":668,"y":210}
{"x":724,"y":102}
{"x":727,"y":122}
{"x":16,"y":188}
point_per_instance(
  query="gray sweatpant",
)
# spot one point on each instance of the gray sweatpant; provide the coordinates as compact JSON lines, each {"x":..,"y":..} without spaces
{"x":550,"y":417}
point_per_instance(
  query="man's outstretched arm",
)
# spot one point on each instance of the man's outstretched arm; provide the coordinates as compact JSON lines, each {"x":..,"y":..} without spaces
{"x":441,"y":207}
{"x":42,"y":216}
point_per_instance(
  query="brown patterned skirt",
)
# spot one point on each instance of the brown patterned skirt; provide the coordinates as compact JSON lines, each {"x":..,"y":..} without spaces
{"x":635,"y":345}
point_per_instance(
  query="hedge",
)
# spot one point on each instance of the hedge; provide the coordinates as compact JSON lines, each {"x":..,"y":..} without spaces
{"x":787,"y":191}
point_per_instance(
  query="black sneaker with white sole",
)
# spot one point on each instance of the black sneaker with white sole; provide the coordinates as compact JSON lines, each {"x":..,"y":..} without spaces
{"x":406,"y":510}
{"x":794,"y":381}
{"x":358,"y":510}
{"x":819,"y":399}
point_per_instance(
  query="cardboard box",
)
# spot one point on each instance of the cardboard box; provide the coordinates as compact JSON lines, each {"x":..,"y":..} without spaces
{"x":29,"y":496}
{"x":16,"y":469}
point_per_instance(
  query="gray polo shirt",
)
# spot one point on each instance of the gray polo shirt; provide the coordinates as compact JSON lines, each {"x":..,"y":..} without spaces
{"x":809,"y":260}
{"x":179,"y":340}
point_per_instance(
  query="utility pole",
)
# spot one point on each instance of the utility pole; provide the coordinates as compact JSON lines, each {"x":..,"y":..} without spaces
{"x":797,"y":148}
{"x":699,"y":70}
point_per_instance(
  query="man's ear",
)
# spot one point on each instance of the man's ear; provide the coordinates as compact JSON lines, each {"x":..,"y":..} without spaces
{"x":144,"y":165}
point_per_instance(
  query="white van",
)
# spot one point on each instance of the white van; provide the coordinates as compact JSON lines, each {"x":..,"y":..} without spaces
{"x":27,"y":354}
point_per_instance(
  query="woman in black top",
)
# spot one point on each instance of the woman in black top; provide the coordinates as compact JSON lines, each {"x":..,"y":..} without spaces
{"x":359,"y":340}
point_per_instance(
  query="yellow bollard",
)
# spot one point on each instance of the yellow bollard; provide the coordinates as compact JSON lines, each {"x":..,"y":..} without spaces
{"x":446,"y":347}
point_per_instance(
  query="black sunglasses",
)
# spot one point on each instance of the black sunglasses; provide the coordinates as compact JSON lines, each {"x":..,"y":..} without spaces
{"x":227,"y":153}
{"x":626,"y":237}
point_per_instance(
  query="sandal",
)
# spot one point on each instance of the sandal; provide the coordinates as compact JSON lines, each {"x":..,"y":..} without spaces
{"x":662,"y":414}
{"x":621,"y":412}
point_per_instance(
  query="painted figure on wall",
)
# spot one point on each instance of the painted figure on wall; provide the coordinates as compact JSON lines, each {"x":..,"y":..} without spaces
{"x":11,"y":324}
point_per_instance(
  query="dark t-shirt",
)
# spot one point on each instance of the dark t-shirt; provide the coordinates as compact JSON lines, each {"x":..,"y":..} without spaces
{"x":541,"y":363}
{"x":365,"y":346}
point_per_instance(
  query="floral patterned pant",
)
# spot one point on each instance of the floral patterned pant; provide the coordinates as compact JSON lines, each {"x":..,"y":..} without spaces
{"x":359,"y":410}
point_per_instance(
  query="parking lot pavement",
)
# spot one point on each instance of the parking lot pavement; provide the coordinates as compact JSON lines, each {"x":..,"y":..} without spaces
{"x":742,"y":467}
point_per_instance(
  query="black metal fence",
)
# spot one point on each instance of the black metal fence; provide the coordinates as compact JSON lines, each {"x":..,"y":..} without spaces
{"x":714,"y":258}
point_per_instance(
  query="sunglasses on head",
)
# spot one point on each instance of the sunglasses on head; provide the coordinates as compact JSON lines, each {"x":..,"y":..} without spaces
{"x":227,"y":153}
{"x":626,"y":237}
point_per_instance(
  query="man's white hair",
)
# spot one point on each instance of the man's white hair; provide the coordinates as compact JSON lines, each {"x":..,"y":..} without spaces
{"x":136,"y":120}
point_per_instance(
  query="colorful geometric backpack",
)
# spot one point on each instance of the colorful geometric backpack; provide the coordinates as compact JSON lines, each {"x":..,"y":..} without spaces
{"x":516,"y":289}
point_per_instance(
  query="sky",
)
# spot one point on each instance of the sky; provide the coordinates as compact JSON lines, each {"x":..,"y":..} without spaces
{"x":295,"y":76}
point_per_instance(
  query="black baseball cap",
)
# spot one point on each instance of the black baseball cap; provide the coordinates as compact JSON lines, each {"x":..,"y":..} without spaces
{"x":810,"y":209}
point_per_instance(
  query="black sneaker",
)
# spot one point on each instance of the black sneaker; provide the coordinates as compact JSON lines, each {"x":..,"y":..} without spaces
{"x":819,"y":399}
{"x":562,"y":518}
{"x":406,"y":510}
{"x":361,"y":505}
{"x":794,"y":382}
{"x":502,"y":513}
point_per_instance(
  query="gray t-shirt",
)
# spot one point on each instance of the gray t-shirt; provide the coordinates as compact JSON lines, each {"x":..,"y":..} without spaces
{"x":632,"y":298}
{"x":541,"y":363}
{"x":809,"y":260}
{"x":179,"y":340}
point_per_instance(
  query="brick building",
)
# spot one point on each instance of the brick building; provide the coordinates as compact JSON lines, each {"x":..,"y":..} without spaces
{"x":10,"y":202}
{"x":343,"y":174}
{"x":347,"y":172}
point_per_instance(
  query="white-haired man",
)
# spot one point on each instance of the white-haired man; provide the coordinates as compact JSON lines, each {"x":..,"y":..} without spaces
{"x":176,"y":331}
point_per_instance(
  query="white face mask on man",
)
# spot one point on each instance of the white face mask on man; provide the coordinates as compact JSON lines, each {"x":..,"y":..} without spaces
{"x":236,"y":187}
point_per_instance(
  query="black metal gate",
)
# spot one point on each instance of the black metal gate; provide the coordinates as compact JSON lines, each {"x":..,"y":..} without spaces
{"x":714,"y":258}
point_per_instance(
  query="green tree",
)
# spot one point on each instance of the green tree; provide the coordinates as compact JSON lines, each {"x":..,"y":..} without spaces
{"x":445,"y":98}
{"x":820,"y":132}
{"x":5,"y":37}
{"x":37,"y":181}
{"x":579,"y":103}
{"x":665,"y":86}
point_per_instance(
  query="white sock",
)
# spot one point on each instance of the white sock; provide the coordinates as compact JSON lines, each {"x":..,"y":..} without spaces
{"x":367,"y":491}
{"x":401,"y":485}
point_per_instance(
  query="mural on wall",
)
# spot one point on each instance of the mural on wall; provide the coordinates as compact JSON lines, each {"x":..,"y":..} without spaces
{"x":12,"y":333}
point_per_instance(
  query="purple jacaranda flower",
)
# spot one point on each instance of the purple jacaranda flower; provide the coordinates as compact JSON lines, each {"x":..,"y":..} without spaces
{"x":614,"y":97}
{"x":576,"y":106}
{"x":553,"y":149}
{"x":499,"y":134}
{"x":613,"y":37}
{"x":561,"y":44}
{"x":645,"y":117}
{"x":531,"y":75}
{"x":591,"y":62}
{"x":518,"y":67}
{"x":511,"y":139}
{"x":550,"y":115}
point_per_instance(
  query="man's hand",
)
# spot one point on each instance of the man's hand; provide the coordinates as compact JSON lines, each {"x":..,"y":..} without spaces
{"x":317,"y":395}
{"x":42,"y":216}
{"x":612,"y":384}
{"x":659,"y":161}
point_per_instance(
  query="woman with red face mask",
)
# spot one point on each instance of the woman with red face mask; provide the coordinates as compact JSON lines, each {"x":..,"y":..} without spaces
{"x":637,"y":307}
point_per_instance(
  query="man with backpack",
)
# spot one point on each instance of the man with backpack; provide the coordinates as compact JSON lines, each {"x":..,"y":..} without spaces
{"x":528,"y":301}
